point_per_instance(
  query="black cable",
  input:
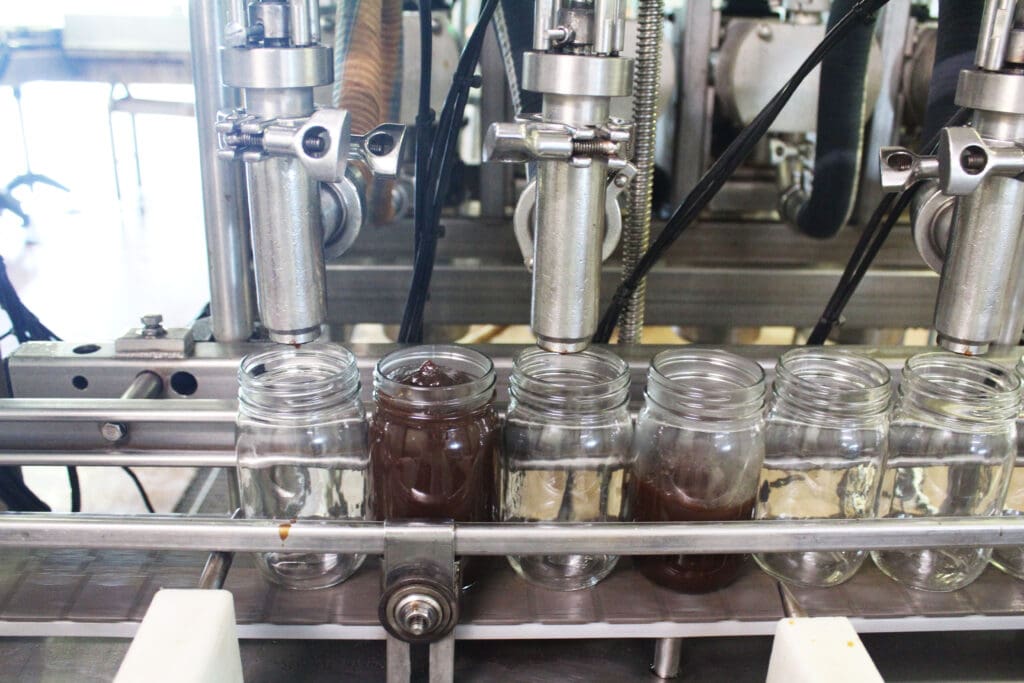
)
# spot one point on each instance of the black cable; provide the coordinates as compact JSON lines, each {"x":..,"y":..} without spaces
{"x":873,"y":237}
{"x":424,"y":120}
{"x":723,"y":168}
{"x":76,"y":489}
{"x":140,"y":487}
{"x":435,"y":183}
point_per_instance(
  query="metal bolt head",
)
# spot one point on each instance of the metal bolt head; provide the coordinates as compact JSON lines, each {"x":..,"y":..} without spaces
{"x":621,"y":180}
{"x":764,"y":31}
{"x":152,"y":325}
{"x":418,"y":614}
{"x":113,"y":431}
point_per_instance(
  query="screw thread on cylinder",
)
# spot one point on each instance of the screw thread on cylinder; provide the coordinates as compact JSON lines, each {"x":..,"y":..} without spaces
{"x":636,"y":234}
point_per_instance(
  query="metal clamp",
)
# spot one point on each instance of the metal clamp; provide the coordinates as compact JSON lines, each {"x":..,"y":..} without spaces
{"x":522,"y":220}
{"x":531,"y":139}
{"x":964,"y":160}
{"x":323,"y":142}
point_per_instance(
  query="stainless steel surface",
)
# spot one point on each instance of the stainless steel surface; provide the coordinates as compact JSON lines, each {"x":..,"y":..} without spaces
{"x":287,"y":237}
{"x":232,"y":297}
{"x":568,"y":231}
{"x":442,"y":660}
{"x":105,"y":594}
{"x":931,"y":213}
{"x":420,"y":585}
{"x":399,"y":664}
{"x":637,"y":234}
{"x":174,"y":532}
{"x":697,"y":36}
{"x":276,"y":68}
{"x":978,"y":265}
{"x":996,"y":24}
{"x":576,"y":75}
{"x":667,"y":653}
{"x":1001,"y":92}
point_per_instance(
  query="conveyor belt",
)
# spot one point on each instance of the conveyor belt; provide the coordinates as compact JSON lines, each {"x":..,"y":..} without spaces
{"x":105,"y":593}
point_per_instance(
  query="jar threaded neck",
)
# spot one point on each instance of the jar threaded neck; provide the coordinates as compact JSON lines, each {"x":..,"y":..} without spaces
{"x":294,"y":383}
{"x":706,"y":385}
{"x":960,"y":390}
{"x":589,"y":381}
{"x":830,"y":384}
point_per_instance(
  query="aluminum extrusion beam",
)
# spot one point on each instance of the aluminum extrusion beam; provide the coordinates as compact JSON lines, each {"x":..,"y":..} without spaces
{"x":175,"y":532}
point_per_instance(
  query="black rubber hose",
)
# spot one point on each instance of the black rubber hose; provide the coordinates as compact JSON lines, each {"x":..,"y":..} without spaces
{"x":842,"y":114}
{"x":955,"y":44}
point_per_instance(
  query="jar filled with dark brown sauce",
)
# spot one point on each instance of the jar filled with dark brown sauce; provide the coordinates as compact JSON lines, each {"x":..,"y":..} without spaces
{"x":434,"y":436}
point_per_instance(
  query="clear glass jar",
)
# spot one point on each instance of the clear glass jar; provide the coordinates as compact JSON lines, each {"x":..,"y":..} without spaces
{"x":434,"y":437}
{"x":566,"y":455}
{"x":699,"y":446}
{"x":301,"y":443}
{"x":825,"y":442}
{"x":1009,"y":558}
{"x":952,"y":445}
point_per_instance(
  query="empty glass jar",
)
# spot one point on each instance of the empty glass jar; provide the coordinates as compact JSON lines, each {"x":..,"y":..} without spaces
{"x":434,"y":437}
{"x":825,"y":442}
{"x":1009,"y":558}
{"x":699,"y":446}
{"x":302,"y":452}
{"x":566,"y":455}
{"x":952,"y":445}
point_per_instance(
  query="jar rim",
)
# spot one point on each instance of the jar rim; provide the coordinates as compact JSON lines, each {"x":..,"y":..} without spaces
{"x":832,"y":382}
{"x":296,"y":384}
{"x":460,"y":358}
{"x":706,"y":383}
{"x":567,"y":381}
{"x":983,"y":389}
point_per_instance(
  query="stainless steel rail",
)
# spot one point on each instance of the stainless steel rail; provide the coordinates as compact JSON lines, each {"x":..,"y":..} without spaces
{"x":177,"y":532}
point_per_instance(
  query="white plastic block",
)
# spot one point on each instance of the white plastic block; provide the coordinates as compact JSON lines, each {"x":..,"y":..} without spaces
{"x":187,"y":636}
{"x":819,"y":649}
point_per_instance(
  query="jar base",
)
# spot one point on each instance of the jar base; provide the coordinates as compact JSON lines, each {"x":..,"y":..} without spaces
{"x":936,"y":570}
{"x":563,"y":572}
{"x":302,"y":571}
{"x":812,"y":569}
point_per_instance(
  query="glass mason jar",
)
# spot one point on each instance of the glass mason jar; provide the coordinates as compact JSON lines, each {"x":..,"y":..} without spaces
{"x":302,"y":452}
{"x":699,"y":446}
{"x":434,"y":436}
{"x":1009,"y":558}
{"x":566,"y":455}
{"x":952,"y":445}
{"x":825,"y":443}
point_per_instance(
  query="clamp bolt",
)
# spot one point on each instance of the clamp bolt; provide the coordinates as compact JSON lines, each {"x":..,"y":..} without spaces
{"x":113,"y":431}
{"x":152,"y":325}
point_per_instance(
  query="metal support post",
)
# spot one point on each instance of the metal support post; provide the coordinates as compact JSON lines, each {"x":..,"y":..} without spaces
{"x":667,"y":653}
{"x":232,"y":301}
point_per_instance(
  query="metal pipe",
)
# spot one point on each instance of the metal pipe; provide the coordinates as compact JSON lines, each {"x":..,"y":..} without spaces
{"x":145,"y":385}
{"x":667,"y":653}
{"x":299,"y":23}
{"x":172,"y":410}
{"x":120,"y":459}
{"x":217,"y":566}
{"x":636,"y":233}
{"x":287,"y":237}
{"x":568,"y":229}
{"x":232,"y":301}
{"x":178,"y":532}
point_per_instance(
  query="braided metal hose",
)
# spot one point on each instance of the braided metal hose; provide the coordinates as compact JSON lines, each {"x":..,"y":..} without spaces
{"x":636,"y":234}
